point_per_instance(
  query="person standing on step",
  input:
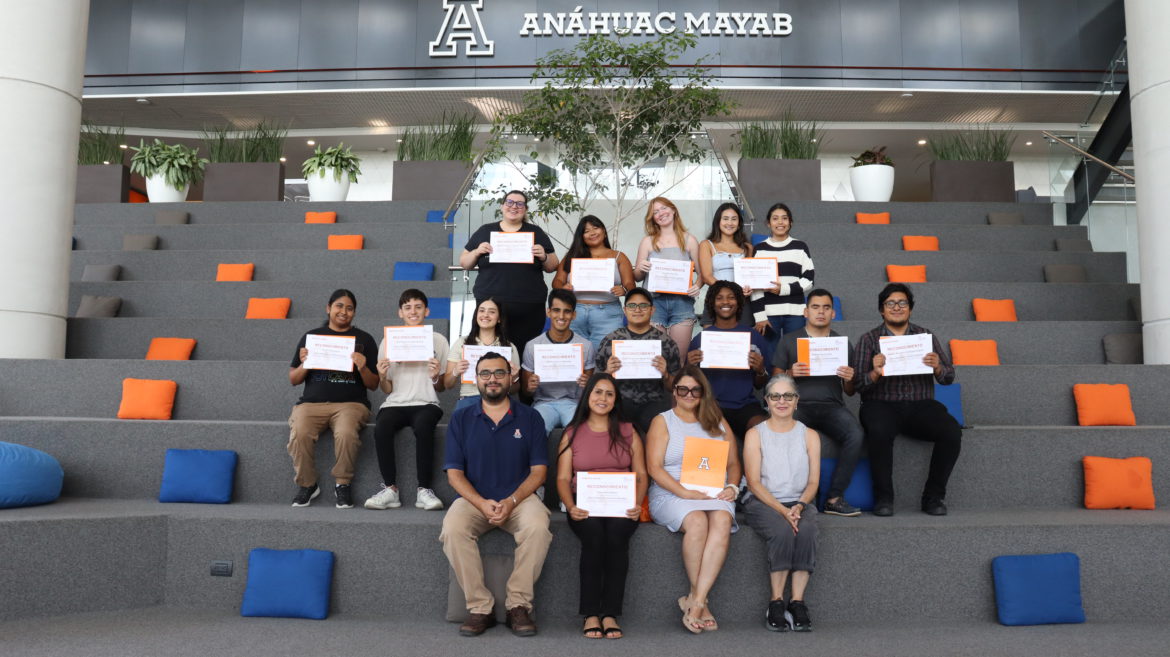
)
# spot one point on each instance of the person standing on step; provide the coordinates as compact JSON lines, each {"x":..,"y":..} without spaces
{"x":598,"y":313}
{"x":726,"y":243}
{"x":334,"y":399}
{"x":891,"y":405}
{"x":488,"y":329}
{"x":780,"y":309}
{"x":822,"y":405}
{"x":518,"y":286}
{"x":412,"y":400}
{"x":556,"y":401}
{"x":667,"y":239}
{"x":782,"y":461}
{"x":496,"y":458}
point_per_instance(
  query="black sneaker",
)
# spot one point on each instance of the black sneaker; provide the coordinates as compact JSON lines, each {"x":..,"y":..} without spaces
{"x":778,"y":617}
{"x":800,"y":620}
{"x":841,"y":508}
{"x":305,"y":495}
{"x":934,"y":506}
{"x":344,"y":496}
{"x":883,"y":508}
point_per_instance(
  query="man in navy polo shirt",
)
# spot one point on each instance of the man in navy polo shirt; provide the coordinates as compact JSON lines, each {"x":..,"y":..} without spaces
{"x":496,"y":458}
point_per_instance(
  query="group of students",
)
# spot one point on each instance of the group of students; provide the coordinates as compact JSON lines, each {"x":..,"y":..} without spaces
{"x":638,"y":425}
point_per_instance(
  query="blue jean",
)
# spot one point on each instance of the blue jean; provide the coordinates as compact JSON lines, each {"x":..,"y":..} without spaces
{"x":557,"y":413}
{"x":671,"y":309}
{"x":469,"y":400}
{"x":782,"y":324}
{"x":836,"y":423}
{"x":594,"y":321}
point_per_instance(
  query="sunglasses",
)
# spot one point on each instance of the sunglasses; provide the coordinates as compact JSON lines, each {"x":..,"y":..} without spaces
{"x":683,"y":391}
{"x":786,"y":396}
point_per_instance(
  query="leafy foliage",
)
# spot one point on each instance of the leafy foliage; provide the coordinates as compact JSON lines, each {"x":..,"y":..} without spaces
{"x":264,"y":143}
{"x":546,"y":199}
{"x":179,"y":165}
{"x":99,"y":145}
{"x":786,"y":139}
{"x":981,"y":144}
{"x":450,"y":139}
{"x":338,"y":159}
{"x":875,"y":156}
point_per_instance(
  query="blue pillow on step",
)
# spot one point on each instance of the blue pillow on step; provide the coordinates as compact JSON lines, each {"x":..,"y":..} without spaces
{"x":414,"y":271}
{"x":288,"y":583}
{"x":952,"y":397}
{"x":1038,"y":589}
{"x":840,"y":317}
{"x":28,"y":476}
{"x":203,"y":476}
{"x":859,"y":493}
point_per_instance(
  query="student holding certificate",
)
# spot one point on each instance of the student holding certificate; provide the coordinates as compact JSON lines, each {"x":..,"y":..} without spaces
{"x":599,"y":311}
{"x":892,"y":405}
{"x":706,"y":522}
{"x":667,"y":239}
{"x":726,"y":243}
{"x":597,"y":441}
{"x":488,"y":329}
{"x":780,"y":308}
{"x":556,"y":364}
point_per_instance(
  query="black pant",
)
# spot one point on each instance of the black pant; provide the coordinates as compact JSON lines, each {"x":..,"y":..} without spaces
{"x":836,"y":423}
{"x":524,"y":321}
{"x":739,"y":419}
{"x":605,"y":560}
{"x":641,"y":415}
{"x":925,"y":419}
{"x":422,"y":419}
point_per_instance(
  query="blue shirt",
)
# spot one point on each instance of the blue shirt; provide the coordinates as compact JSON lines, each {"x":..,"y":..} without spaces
{"x":734,"y":388}
{"x":496,"y":458}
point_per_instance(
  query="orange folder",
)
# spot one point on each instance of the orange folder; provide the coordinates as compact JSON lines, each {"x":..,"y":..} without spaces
{"x":704,"y":466}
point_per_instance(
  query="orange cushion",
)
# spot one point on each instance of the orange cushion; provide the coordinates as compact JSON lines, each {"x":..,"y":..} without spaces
{"x":170,"y":349}
{"x":994,"y":310}
{"x":320,"y":217}
{"x":240,"y":272}
{"x":1103,"y":404}
{"x":906,"y":273}
{"x":974,"y":352}
{"x":346,"y":242}
{"x":873,"y":217}
{"x":919,"y":243}
{"x":137,"y":197}
{"x":1118,"y":483}
{"x":147,"y":399}
{"x":268,"y":308}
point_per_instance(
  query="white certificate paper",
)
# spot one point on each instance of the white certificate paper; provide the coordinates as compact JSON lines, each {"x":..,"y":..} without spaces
{"x":558,"y":362}
{"x":904,"y":354}
{"x":593,"y":274}
{"x":823,"y":355}
{"x":606,"y":494}
{"x":756,"y":273}
{"x":512,"y":247}
{"x":329,"y":352}
{"x":726,"y":350}
{"x":472,"y":353}
{"x":409,"y":344}
{"x":671,"y":276}
{"x":635,"y":356}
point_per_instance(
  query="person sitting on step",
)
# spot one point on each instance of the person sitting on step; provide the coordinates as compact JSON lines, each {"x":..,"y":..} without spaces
{"x":489,"y":328}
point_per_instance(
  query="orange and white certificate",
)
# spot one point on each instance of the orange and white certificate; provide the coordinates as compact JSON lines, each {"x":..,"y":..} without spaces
{"x":704,"y":464}
{"x":472,"y":354}
{"x":725,"y":349}
{"x":670,"y":276}
{"x":637,"y":357}
{"x":904,"y":354}
{"x":823,"y":355}
{"x":410,"y":344}
{"x":511,"y":247}
{"x":593,"y":274}
{"x":558,"y":362}
{"x":756,"y":273}
{"x":606,"y":494}
{"x":330,"y":352}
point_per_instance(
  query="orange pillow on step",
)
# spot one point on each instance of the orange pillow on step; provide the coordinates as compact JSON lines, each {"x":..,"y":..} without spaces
{"x":170,"y":349}
{"x":994,"y":310}
{"x":873,"y":217}
{"x":1103,"y":405}
{"x":974,"y":352}
{"x":346,"y":242}
{"x":320,"y":217}
{"x":1118,"y":483}
{"x":235,"y":273}
{"x":268,"y":308}
{"x":919,"y":243}
{"x":147,"y":399}
{"x":906,"y":273}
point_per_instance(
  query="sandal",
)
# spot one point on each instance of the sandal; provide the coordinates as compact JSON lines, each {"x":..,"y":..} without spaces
{"x":708,"y":621}
{"x":613,"y":632}
{"x":592,"y":631}
{"x":693,"y":624}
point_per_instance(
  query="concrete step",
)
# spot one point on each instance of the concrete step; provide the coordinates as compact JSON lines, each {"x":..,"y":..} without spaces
{"x":271,"y":265}
{"x":806,"y":213}
{"x":383,"y":235}
{"x":827,"y":237}
{"x":255,"y":212}
{"x":963,"y":266}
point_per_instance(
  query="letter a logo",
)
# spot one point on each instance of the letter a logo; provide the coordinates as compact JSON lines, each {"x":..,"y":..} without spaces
{"x":462,"y":23}
{"x":705,"y":464}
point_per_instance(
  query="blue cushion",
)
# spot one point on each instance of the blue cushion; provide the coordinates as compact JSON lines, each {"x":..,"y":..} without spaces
{"x":859,"y":493}
{"x":198,"y":475}
{"x":414,"y":271}
{"x":840,"y":311}
{"x":951,"y":396}
{"x":288,"y":583}
{"x":757,"y":238}
{"x":440,"y":308}
{"x":28,"y":476}
{"x":1038,"y":589}
{"x":450,"y":240}
{"x":434,"y":216}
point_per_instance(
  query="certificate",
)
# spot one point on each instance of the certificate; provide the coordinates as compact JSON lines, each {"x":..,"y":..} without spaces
{"x":904,"y":354}
{"x":670,"y":276}
{"x":593,"y":274}
{"x":823,"y":355}
{"x":606,"y":494}
{"x":472,"y":353}
{"x":727,"y":350}
{"x":329,"y":352}
{"x":409,"y":344}
{"x":635,"y":356}
{"x":704,"y":465}
{"x":512,"y":247}
{"x":756,"y":273}
{"x":558,"y":362}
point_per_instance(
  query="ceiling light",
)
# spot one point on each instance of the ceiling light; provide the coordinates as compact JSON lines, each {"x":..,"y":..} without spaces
{"x":814,"y":140}
{"x":536,"y":139}
{"x":106,"y":162}
{"x":142,"y":101}
{"x":921,"y":142}
{"x":1027,"y":143}
{"x":400,"y":141}
{"x":311,"y":142}
{"x":907,"y":95}
{"x":515,"y":137}
{"x":122,"y":146}
{"x":284,"y":159}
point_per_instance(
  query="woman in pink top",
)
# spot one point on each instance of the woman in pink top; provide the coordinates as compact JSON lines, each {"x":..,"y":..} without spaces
{"x":597,"y":441}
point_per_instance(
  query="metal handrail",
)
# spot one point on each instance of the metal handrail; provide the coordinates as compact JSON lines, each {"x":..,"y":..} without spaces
{"x":737,"y":190}
{"x":1089,"y":155}
{"x":467,"y":180}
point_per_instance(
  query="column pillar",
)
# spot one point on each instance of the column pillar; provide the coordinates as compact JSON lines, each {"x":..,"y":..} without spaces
{"x":42,"y":63}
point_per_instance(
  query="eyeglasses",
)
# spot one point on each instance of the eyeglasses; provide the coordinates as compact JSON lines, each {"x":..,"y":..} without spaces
{"x":901,"y":303}
{"x":683,"y":391}
{"x":509,"y":203}
{"x":639,"y":306}
{"x":777,"y":396}
{"x":492,"y":374}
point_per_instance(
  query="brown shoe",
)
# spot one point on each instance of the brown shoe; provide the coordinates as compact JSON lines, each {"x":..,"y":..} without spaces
{"x":520,"y":622}
{"x":477,"y":624}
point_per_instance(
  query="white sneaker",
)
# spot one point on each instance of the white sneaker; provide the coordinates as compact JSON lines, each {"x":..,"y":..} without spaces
{"x":387,"y":498}
{"x":428,"y":500}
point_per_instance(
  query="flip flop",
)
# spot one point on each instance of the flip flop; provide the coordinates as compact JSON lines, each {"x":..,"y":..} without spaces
{"x":585,"y":631}
{"x":614,"y":632}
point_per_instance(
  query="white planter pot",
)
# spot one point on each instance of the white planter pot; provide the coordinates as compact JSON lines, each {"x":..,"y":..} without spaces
{"x":158,"y":191}
{"x":324,"y":187}
{"x":872,"y":182}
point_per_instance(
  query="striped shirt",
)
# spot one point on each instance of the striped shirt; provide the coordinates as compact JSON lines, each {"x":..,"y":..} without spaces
{"x":795,"y":269}
{"x":914,"y":387}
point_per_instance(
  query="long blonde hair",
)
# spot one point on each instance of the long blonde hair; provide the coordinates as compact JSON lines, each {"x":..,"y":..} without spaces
{"x":652,"y":229}
{"x":708,"y":412}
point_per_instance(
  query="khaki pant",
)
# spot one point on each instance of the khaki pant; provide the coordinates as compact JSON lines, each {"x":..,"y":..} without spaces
{"x":528,"y":524}
{"x":345,"y":419}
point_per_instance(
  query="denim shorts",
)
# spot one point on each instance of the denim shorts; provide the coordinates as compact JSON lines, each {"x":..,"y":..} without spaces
{"x":671,"y":309}
{"x":596,"y":320}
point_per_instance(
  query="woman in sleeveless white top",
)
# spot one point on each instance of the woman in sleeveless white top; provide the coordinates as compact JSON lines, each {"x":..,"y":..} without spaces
{"x":726,"y":243}
{"x":707,"y":522}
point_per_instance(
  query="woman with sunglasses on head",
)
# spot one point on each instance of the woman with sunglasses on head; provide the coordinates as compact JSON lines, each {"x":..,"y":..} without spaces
{"x":598,"y":313}
{"x":782,"y":460}
{"x":597,"y":440}
{"x":706,"y":522}
{"x":489,"y":329}
{"x":726,"y":243}
{"x":518,"y":286}
{"x":667,"y":239}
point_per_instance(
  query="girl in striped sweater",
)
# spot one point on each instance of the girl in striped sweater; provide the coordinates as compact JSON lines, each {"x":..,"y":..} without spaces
{"x":781,"y":307}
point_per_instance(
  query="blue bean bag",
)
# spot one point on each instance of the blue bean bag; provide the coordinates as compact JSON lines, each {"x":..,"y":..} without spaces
{"x":1038,"y":589}
{"x":288,"y":583}
{"x":28,"y":476}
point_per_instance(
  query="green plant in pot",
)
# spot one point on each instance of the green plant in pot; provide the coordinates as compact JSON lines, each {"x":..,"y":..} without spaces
{"x":98,"y":145}
{"x":169,"y":169}
{"x":329,"y":172}
{"x":872,"y":176}
{"x":972,"y":166}
{"x":778,"y":160}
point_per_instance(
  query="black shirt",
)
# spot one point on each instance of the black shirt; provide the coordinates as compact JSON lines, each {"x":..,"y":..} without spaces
{"x":324,"y":386}
{"x":510,"y":281}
